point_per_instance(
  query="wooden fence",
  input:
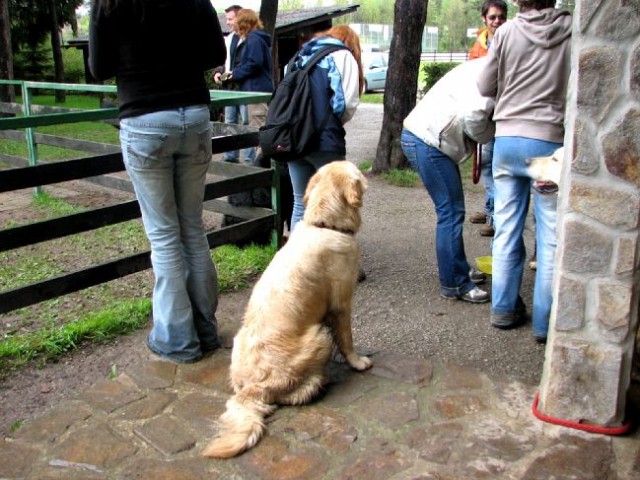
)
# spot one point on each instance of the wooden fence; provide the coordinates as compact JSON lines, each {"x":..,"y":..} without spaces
{"x":109,"y":161}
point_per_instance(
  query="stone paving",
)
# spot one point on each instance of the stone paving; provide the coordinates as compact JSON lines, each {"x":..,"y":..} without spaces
{"x":405,"y":419}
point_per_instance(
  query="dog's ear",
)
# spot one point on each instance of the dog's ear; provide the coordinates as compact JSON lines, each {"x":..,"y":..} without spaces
{"x":354,"y":191}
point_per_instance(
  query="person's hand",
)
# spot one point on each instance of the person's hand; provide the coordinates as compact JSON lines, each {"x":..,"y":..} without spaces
{"x":217,"y":78}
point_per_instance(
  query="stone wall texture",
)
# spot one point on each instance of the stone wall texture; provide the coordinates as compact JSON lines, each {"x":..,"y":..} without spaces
{"x":594,"y":319}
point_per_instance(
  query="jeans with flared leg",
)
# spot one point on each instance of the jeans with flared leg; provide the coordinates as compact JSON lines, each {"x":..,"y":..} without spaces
{"x":441,"y":177}
{"x":167,"y":155}
{"x":512,"y":196}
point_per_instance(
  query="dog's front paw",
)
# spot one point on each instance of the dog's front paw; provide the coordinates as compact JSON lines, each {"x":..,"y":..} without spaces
{"x":359,"y":363}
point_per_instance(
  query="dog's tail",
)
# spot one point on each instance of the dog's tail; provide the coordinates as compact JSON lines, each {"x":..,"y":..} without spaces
{"x":241,"y":426}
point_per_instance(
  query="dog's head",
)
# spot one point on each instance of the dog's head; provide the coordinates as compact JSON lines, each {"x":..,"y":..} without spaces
{"x":546,"y":169}
{"x":334,"y":196}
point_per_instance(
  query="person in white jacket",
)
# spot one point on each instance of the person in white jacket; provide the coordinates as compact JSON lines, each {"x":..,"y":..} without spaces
{"x":440,"y":133}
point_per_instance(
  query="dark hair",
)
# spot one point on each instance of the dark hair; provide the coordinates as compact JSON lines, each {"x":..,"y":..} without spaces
{"x":535,"y":4}
{"x":500,"y":4}
{"x":233,"y":8}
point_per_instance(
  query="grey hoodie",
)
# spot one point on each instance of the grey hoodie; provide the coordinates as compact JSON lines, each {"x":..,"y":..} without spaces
{"x":527,"y":71}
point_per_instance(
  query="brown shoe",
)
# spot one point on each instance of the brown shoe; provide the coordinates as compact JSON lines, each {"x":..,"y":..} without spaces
{"x":487,"y":231}
{"x":478,"y":217}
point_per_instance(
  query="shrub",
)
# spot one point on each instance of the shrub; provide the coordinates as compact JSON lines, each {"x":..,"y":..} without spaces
{"x":434,"y":71}
{"x":73,"y":65}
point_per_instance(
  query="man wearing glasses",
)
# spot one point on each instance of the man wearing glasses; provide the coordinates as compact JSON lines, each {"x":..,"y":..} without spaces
{"x":494,"y":14}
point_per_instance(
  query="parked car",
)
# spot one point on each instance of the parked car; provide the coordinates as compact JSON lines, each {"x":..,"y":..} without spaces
{"x":375,"y":65}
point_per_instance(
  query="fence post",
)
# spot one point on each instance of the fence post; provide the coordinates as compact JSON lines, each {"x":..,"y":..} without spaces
{"x":29,"y":133}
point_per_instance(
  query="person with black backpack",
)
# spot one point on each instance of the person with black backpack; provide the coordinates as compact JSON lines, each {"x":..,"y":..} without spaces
{"x":336,"y":82}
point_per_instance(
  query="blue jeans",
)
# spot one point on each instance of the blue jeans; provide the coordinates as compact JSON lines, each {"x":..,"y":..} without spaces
{"x":487,"y":179}
{"x":512,"y":194}
{"x":441,"y":177}
{"x":301,"y":172}
{"x":167,"y":155}
{"x":238,"y":114}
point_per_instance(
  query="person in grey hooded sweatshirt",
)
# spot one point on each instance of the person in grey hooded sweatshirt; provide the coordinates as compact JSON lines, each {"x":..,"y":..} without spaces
{"x":527,"y":71}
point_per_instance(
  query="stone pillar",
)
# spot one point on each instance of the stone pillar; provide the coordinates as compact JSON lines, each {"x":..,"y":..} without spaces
{"x":596,"y":287}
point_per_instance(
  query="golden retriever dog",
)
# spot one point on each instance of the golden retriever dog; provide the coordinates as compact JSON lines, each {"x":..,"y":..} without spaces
{"x":546,"y":169}
{"x":543,"y":170}
{"x":298,"y":310}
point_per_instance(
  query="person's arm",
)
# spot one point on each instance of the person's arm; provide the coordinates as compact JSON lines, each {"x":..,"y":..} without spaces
{"x":211,"y":40}
{"x":344,"y":79}
{"x":103,"y":59}
{"x":478,"y":123}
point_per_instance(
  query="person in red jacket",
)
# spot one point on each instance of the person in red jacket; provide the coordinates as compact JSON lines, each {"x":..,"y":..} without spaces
{"x":494,"y":14}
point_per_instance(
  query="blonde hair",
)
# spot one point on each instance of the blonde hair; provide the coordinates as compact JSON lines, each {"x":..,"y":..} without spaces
{"x":247,"y":20}
{"x":350,"y":38}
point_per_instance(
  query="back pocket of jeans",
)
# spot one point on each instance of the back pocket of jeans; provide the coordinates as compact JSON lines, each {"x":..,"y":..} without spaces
{"x":144,"y":150}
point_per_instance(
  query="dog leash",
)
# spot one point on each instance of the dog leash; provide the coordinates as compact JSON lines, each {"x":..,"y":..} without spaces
{"x":477,"y":161}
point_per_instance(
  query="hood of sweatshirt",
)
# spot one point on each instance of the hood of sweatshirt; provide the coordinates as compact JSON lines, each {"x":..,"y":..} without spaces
{"x":263,"y":35}
{"x":315,"y":44}
{"x":545,"y":28}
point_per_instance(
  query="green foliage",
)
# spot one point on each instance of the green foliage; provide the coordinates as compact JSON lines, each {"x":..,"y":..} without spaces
{"x":432,"y":72}
{"x":402,"y":178}
{"x":365,"y":166}
{"x":33,"y":63}
{"x":31,"y":19}
{"x":125,"y":317}
{"x":372,"y":98}
{"x":73,"y":65}
{"x":237,"y":267}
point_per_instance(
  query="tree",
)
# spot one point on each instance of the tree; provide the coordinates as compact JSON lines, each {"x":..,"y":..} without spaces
{"x":7,"y":92}
{"x":268,"y":15}
{"x":402,"y":86}
{"x":33,"y":21}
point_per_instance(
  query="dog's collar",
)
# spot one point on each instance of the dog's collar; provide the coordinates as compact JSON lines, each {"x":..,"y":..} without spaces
{"x":331,"y":227}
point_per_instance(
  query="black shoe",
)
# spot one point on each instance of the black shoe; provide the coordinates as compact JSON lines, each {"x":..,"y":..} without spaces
{"x":507,"y":321}
{"x":542,"y":339}
{"x":478,"y":217}
{"x":476,"y":276}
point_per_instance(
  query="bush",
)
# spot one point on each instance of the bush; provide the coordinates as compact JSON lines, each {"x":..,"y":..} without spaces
{"x":73,"y":65}
{"x":434,"y":71}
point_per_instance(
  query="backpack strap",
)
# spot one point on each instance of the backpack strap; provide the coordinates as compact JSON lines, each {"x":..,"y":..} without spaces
{"x":319,"y":55}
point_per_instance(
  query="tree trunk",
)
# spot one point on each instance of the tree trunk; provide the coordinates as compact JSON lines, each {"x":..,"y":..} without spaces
{"x":56,"y":48}
{"x":7,"y":92}
{"x":402,"y":81}
{"x":268,"y":15}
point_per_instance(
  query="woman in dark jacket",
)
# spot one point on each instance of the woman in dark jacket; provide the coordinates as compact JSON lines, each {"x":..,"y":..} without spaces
{"x":254,"y":69}
{"x":158,"y":52}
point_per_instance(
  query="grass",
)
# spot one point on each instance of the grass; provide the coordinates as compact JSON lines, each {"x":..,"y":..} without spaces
{"x":51,"y":343}
{"x":237,"y":268}
{"x":93,"y":131}
{"x":402,"y":178}
{"x":50,"y":329}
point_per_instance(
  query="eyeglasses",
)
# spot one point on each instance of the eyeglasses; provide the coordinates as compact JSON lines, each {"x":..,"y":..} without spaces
{"x":494,"y":17}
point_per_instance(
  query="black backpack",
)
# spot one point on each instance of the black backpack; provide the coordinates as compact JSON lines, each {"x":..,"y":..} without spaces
{"x":290,"y":131}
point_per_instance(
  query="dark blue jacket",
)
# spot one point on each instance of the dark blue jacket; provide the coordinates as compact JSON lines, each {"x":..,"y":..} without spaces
{"x":335,"y":88}
{"x":254,"y":72}
{"x":159,"y":57}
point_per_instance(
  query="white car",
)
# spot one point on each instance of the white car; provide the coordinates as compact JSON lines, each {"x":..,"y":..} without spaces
{"x":375,"y":65}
